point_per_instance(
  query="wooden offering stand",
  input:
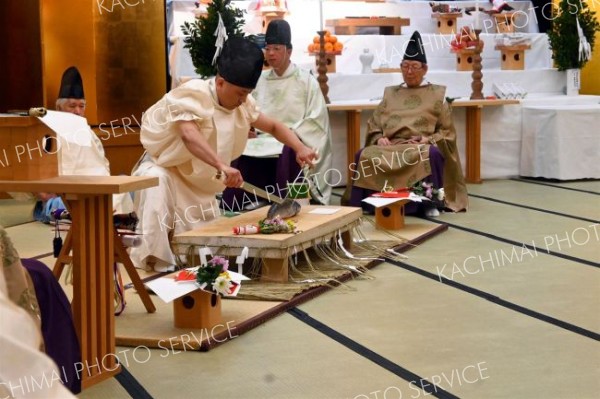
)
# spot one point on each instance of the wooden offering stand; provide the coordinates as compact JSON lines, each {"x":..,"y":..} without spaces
{"x":329,"y":60}
{"x":505,"y":22}
{"x":446,"y":21}
{"x":513,"y":57}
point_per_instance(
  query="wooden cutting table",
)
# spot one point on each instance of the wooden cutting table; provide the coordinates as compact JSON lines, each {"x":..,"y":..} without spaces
{"x":89,"y":199}
{"x":273,"y":249}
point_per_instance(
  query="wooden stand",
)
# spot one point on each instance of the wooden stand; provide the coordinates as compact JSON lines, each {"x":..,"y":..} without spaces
{"x":197,"y":310}
{"x":505,"y":22}
{"x":349,"y":26}
{"x":390,"y":217}
{"x":121,"y":255}
{"x":513,"y":57}
{"x":92,"y":240}
{"x":446,"y":21}
{"x":28,"y":149}
{"x":322,"y":67}
{"x":464,"y":59}
{"x":329,"y":60}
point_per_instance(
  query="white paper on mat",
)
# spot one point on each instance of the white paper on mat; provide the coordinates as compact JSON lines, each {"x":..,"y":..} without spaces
{"x":324,"y":211}
{"x":378,"y":202}
{"x":168,"y":289}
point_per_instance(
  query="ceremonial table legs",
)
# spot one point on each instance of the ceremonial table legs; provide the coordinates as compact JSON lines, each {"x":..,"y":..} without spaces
{"x":276,"y":270}
{"x":93,"y":285}
{"x":473,"y":144}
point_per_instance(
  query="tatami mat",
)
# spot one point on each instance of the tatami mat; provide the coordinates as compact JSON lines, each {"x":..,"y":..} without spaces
{"x":546,"y":284}
{"x":534,"y":195}
{"x":432,"y":329}
{"x":441,"y":333}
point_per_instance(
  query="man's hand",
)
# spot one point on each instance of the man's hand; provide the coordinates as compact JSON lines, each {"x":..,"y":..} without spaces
{"x":306,"y":156}
{"x":252,"y":133}
{"x":384,"y":141}
{"x":231,"y":177}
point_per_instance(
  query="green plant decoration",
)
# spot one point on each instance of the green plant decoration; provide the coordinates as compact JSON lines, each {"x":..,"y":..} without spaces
{"x":563,"y":36}
{"x":200,"y":38}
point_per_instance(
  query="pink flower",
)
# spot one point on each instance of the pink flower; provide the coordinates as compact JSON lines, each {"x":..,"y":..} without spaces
{"x":219,"y":260}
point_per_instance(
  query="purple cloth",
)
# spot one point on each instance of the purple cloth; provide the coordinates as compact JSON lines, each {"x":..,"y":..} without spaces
{"x":58,"y":330}
{"x":270,"y":174}
{"x":436,"y":160}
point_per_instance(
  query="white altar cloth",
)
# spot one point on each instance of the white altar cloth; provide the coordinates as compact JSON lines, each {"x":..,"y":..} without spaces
{"x":561,"y":140}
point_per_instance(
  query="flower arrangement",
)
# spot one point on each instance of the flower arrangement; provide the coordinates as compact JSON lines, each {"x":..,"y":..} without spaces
{"x":214,"y":277}
{"x":426,"y":190}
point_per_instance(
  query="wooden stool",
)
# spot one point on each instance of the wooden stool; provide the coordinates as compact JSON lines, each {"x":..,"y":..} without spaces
{"x":198,"y":309}
{"x":505,"y":22}
{"x":464,"y":59}
{"x":513,"y":57}
{"x":446,"y":21}
{"x":121,"y":255}
{"x":391,"y":217}
{"x":330,"y":60}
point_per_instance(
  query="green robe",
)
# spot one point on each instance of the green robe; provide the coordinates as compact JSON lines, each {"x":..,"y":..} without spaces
{"x":403,"y":113}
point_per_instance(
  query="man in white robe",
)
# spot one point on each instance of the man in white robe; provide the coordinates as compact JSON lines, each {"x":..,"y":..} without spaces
{"x":191,"y":135}
{"x":293,"y":96}
{"x":81,"y":151}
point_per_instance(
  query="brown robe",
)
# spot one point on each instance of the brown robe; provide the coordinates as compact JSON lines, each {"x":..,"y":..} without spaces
{"x":405,"y":112}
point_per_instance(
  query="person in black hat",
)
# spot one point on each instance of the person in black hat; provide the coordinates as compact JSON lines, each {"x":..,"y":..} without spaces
{"x":293,"y":96}
{"x":82,"y":152}
{"x":70,"y":96}
{"x":412,"y":137}
{"x":191,"y":136}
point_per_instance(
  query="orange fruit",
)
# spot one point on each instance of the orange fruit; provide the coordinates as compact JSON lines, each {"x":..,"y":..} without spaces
{"x":327,"y":33}
{"x":338,"y":46}
{"x":328,"y":47}
{"x":311,"y":48}
{"x":333,"y":39}
{"x":316,"y":39}
{"x":316,"y":47}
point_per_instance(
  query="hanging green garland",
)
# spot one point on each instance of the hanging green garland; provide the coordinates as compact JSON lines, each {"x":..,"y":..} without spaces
{"x":200,"y":38}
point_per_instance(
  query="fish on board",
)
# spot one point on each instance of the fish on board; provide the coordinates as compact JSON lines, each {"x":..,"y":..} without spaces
{"x":287,"y":209}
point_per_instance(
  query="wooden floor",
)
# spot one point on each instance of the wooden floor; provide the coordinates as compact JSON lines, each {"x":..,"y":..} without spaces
{"x":505,"y":304}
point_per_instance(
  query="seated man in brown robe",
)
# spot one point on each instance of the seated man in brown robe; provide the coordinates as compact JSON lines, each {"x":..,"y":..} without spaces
{"x":411,"y":138}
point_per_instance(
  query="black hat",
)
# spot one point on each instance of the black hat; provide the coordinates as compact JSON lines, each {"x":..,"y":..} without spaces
{"x":414,"y":50}
{"x":279,"y":32}
{"x":71,"y":85}
{"x":241,"y":62}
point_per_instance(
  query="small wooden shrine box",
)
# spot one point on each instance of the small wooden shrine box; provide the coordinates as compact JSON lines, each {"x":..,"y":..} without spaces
{"x":329,"y":60}
{"x":446,"y":21}
{"x":505,"y":22}
{"x":198,"y":309}
{"x":28,"y":149}
{"x":391,"y":217}
{"x":513,"y":57}
{"x":464,"y":59}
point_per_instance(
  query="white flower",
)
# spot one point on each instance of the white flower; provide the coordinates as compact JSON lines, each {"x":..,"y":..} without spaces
{"x":222,"y":285}
{"x":441,"y":195}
